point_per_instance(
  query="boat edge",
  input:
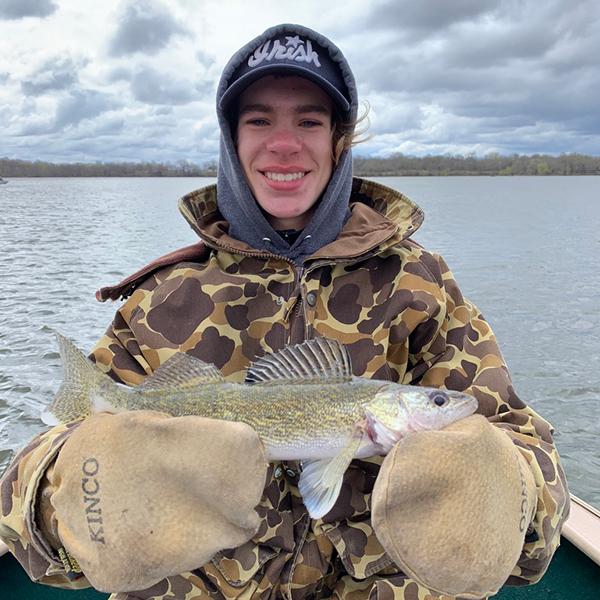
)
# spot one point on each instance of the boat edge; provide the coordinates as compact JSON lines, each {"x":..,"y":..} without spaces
{"x":582,"y":528}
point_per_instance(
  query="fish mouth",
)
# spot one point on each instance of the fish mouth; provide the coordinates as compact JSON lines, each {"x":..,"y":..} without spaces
{"x":464,"y":404}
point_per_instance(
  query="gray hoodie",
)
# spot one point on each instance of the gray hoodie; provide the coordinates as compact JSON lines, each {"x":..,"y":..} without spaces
{"x":235,"y":200}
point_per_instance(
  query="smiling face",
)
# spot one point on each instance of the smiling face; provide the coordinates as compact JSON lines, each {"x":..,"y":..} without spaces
{"x":284,"y":146}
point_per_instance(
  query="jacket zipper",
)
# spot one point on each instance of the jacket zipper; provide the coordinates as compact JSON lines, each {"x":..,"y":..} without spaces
{"x":296,"y":316}
{"x":298,"y":328}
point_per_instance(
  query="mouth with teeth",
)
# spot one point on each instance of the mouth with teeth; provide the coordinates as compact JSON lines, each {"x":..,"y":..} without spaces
{"x":284,"y":181}
{"x":284,"y":176}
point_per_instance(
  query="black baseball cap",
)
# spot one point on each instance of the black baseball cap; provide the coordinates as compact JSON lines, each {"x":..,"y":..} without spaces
{"x":294,"y":54}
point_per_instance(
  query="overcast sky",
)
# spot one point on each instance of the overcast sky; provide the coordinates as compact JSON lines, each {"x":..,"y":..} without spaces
{"x":84,"y":80}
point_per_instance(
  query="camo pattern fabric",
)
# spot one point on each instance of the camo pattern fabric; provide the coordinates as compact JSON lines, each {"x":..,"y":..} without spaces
{"x":401,"y":315}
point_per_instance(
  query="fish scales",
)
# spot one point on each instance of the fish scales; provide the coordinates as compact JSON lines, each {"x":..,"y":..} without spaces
{"x":281,"y":414}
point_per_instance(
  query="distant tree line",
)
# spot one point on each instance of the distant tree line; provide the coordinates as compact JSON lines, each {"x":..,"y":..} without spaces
{"x":183,"y":168}
{"x":491,"y":164}
{"x":397,"y":165}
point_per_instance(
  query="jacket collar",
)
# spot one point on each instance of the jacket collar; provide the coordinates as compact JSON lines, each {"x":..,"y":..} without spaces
{"x":380,"y":217}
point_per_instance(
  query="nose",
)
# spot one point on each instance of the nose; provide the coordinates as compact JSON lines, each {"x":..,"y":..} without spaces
{"x":284,"y":142}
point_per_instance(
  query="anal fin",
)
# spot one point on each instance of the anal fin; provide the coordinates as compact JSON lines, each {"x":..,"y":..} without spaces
{"x":321,"y":479}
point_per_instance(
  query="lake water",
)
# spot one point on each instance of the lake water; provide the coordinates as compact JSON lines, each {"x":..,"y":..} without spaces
{"x":526,"y":250}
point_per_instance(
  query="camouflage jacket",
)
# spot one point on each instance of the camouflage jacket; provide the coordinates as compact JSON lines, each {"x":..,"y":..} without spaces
{"x":400,"y":313}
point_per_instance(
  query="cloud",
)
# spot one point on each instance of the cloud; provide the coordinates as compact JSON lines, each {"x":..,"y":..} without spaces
{"x":408,"y":16}
{"x":55,"y":74}
{"x":441,"y":76}
{"x":478,"y":47}
{"x":119,"y":74}
{"x":19,"y":9}
{"x":111,"y":126}
{"x":81,"y":105}
{"x":147,"y":26}
{"x":205,"y":59}
{"x":96,"y":132}
{"x":389,"y":113}
{"x":153,"y":87}
{"x":490,"y":76}
{"x":35,"y":128}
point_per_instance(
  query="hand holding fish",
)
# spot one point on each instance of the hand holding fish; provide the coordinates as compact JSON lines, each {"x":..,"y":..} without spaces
{"x":140,"y":495}
{"x":452,"y":507}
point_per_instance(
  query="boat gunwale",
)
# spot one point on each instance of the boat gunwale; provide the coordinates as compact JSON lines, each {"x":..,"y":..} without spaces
{"x":582,"y":528}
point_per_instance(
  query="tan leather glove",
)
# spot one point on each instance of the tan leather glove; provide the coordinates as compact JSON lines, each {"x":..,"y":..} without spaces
{"x":451,"y":507}
{"x":140,"y":496}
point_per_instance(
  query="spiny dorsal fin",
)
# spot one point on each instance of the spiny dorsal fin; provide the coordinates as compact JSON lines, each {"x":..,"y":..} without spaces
{"x":181,"y":371}
{"x":313,"y":361}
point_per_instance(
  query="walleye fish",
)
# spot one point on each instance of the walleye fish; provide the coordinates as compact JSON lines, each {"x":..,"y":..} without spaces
{"x":303,"y":402}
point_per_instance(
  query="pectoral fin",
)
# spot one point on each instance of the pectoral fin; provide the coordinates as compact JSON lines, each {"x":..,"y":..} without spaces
{"x":321,"y":479}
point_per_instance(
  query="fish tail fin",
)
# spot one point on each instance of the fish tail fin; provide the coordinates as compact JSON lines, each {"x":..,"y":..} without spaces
{"x":74,"y":399}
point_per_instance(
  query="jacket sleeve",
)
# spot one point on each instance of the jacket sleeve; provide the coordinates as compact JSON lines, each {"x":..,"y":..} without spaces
{"x":23,"y":483}
{"x":20,"y":488}
{"x":118,"y":353}
{"x":456,"y":349}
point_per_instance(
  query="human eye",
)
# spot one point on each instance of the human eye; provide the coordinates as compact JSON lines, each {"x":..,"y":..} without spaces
{"x":257,"y":121}
{"x":310,"y":123}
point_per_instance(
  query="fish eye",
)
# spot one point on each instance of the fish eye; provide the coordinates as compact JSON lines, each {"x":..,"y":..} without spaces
{"x":439,"y":399}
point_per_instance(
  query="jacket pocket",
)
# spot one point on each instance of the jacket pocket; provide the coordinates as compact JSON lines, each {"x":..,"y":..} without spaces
{"x":240,"y":565}
{"x":359,"y":549}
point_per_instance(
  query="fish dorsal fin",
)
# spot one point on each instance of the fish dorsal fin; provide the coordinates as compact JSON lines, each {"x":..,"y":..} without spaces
{"x":321,"y":479}
{"x":181,"y":371}
{"x":313,"y":361}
